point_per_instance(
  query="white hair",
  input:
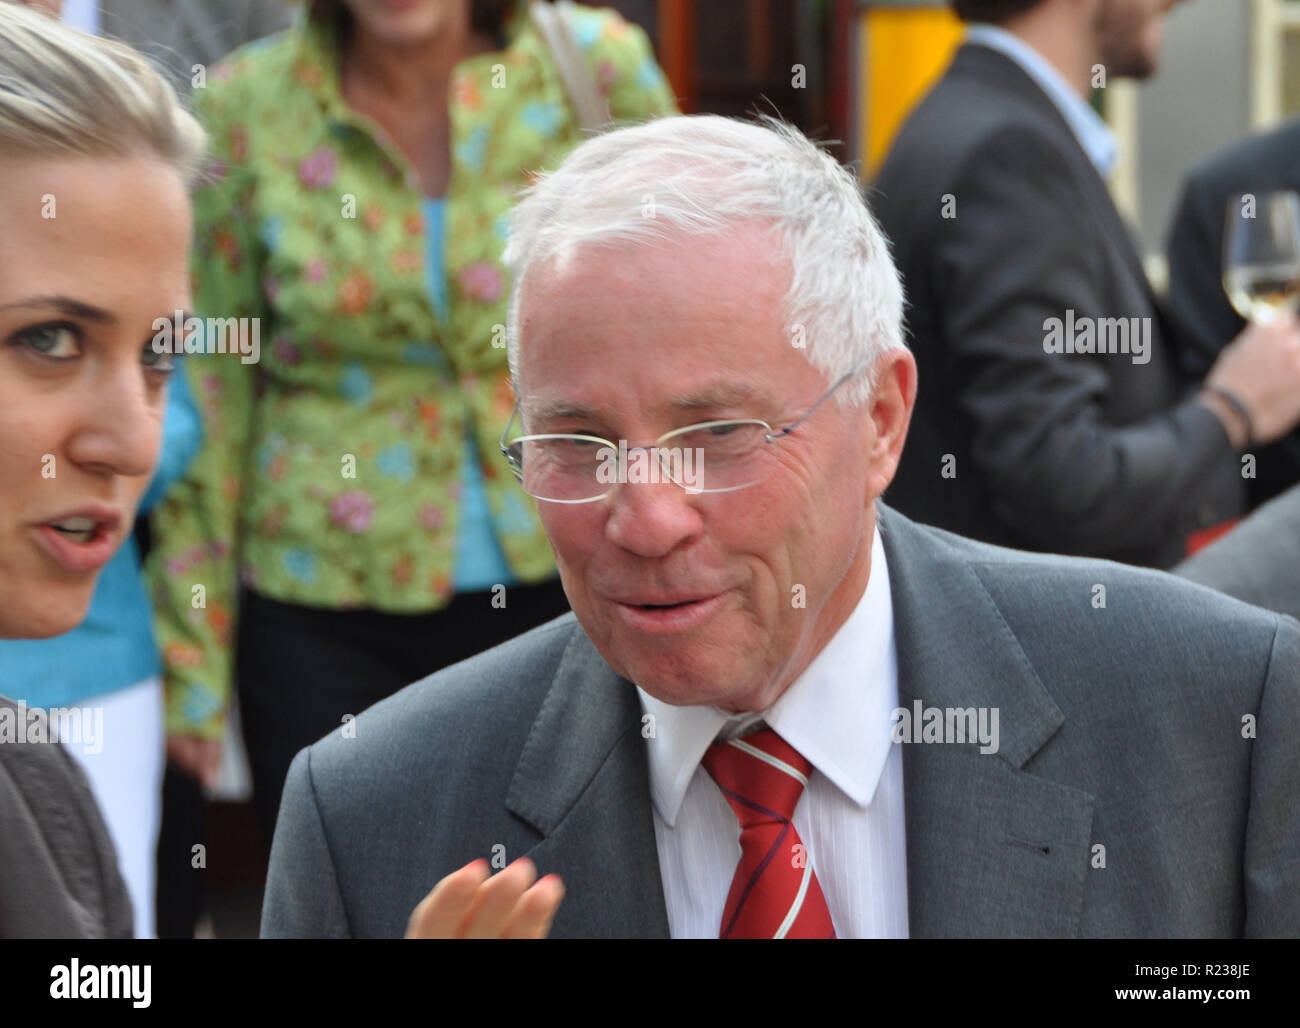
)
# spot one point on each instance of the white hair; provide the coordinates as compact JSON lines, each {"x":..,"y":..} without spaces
{"x":703,"y":175}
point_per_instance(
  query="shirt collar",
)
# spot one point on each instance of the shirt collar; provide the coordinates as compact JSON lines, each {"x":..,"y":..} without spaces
{"x":1091,"y":130}
{"x":836,"y":714}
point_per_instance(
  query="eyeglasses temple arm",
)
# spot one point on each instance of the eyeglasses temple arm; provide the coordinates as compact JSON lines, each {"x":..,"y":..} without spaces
{"x":825,"y":396}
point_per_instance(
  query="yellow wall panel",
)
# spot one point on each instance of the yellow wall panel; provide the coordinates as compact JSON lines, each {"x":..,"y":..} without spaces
{"x":902,"y":51}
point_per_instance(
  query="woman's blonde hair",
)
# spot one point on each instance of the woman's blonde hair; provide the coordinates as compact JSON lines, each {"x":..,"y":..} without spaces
{"x":62,"y":91}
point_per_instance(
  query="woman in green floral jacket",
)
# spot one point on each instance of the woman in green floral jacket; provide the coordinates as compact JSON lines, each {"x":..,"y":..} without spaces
{"x":348,"y":527}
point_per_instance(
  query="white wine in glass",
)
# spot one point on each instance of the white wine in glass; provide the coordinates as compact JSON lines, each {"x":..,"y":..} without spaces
{"x":1261,"y":255}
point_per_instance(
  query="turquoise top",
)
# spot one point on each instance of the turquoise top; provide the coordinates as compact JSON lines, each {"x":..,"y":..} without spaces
{"x":480,"y":561}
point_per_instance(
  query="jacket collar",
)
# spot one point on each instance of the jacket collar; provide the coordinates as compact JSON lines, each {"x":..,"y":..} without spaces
{"x":996,"y":69}
{"x":1088,"y":127}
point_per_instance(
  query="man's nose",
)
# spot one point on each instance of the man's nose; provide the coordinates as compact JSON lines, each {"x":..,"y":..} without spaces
{"x":651,"y":519}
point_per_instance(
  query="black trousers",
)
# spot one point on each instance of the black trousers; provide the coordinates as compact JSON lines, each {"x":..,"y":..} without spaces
{"x":301,"y":669}
{"x":179,"y":887}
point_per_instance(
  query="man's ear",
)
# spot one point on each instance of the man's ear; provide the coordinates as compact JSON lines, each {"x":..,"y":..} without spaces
{"x":891,"y":412}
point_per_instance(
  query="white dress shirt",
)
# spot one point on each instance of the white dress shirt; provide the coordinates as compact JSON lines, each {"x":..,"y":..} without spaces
{"x":838,"y":715}
{"x":1089,"y":128}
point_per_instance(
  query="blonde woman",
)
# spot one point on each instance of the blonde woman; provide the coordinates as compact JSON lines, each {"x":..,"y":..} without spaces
{"x":96,"y":158}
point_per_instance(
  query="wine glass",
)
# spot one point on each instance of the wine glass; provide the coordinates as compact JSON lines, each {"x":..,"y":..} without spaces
{"x":1261,"y":254}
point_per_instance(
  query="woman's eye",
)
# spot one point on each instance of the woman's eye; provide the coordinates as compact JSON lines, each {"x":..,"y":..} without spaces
{"x":58,"y":342}
{"x":151,"y":358}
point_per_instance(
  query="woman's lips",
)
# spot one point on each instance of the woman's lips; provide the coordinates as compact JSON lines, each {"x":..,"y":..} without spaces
{"x":670,"y":620}
{"x":79,"y":556}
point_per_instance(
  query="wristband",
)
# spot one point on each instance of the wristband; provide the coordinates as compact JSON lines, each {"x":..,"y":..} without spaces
{"x":1238,"y":408}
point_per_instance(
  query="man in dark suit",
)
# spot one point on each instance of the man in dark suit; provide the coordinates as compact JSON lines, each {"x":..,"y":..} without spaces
{"x":1203,"y":319}
{"x":1053,"y":415}
{"x":779,"y":708}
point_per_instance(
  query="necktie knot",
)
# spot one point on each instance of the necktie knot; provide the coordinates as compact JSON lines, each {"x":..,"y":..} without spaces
{"x":761,"y":775}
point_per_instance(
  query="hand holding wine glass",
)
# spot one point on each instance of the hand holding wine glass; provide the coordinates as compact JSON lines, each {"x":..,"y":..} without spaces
{"x":1254,"y":386}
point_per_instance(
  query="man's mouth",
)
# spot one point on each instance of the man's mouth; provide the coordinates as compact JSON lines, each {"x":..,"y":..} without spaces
{"x":664,"y":602}
{"x":668,"y":614}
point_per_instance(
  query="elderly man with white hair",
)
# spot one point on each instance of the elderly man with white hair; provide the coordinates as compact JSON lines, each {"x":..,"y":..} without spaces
{"x":778,"y":708}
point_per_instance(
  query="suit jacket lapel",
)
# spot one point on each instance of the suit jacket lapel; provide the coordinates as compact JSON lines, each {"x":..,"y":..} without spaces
{"x":1117,"y":232}
{"x":583,"y":782}
{"x":992,"y":850}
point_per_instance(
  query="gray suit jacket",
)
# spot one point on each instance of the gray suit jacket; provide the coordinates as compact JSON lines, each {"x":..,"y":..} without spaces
{"x":179,"y":34}
{"x":1259,"y":560}
{"x":1120,"y":728}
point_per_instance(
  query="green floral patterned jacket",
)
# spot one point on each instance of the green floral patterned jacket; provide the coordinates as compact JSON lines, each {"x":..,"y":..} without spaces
{"x":331,"y":467}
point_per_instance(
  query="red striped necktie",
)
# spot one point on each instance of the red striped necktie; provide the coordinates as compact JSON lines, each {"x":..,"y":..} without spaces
{"x":774,"y":893}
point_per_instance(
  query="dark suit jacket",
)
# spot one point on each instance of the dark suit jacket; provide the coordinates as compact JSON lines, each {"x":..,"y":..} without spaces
{"x":1204,"y":321}
{"x":1082,"y":454}
{"x":1121,"y":745}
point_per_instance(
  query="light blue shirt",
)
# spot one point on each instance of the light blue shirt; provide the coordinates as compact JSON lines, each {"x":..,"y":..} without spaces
{"x":82,"y":15}
{"x":480,"y":562}
{"x":1089,"y":128}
